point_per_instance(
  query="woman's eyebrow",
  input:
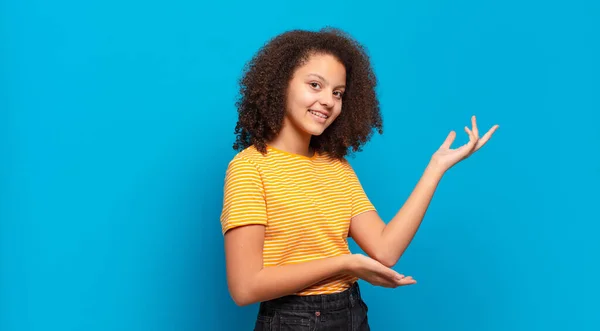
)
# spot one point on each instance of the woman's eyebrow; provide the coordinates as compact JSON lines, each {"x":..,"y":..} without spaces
{"x":325,"y":80}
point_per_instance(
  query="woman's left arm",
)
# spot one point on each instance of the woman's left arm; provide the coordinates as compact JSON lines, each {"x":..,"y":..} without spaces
{"x":387,"y":243}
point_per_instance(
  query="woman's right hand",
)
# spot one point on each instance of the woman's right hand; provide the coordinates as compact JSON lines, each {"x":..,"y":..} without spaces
{"x":375,"y":273}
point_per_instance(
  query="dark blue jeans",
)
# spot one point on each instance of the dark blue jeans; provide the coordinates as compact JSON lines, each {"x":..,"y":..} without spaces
{"x":338,"y":311}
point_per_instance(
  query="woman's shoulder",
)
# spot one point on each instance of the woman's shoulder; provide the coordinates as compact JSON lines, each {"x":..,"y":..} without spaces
{"x":249,"y":152}
{"x":249,"y":156}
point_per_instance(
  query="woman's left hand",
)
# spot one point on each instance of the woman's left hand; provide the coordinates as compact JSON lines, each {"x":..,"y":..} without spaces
{"x":444,"y":158}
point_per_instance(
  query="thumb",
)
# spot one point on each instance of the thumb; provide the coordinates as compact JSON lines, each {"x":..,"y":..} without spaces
{"x":449,"y":140}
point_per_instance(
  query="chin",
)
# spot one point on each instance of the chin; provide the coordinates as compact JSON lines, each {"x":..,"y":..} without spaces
{"x":314,"y":130}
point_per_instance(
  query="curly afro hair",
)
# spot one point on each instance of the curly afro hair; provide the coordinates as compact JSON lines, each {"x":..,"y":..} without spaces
{"x":263,"y":89}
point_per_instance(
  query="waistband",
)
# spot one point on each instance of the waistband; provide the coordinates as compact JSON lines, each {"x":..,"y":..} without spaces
{"x":345,"y":299}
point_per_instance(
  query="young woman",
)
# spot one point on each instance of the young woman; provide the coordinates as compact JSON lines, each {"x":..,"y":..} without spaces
{"x":291,"y":199}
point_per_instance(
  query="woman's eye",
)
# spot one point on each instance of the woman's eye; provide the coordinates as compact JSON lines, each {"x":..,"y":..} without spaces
{"x":339,"y":94}
{"x":314,"y":85}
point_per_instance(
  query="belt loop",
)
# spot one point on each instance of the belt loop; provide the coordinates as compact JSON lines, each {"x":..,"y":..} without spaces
{"x":351,"y":298}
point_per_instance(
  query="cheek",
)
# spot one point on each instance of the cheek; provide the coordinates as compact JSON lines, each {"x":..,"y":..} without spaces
{"x":337,"y":110}
{"x":299,"y":101}
{"x":307,"y":99}
{"x":304,"y":98}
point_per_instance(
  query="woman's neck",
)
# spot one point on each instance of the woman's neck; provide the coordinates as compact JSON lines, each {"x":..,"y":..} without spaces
{"x":292,"y":141}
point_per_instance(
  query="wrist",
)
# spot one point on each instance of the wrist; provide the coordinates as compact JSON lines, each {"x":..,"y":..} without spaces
{"x":348,"y":263}
{"x":435,"y":170}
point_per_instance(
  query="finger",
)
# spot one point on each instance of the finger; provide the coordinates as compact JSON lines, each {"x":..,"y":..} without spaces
{"x":393,"y":276}
{"x":475,"y":129}
{"x":472,"y":140}
{"x":449,"y":140}
{"x":469,"y":132}
{"x":383,"y":282}
{"x":390,"y":284}
{"x":407,"y":281}
{"x":472,"y":135}
{"x":483,"y":140}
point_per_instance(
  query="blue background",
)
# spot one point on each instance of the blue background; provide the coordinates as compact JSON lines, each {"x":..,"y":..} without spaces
{"x":116,"y":126}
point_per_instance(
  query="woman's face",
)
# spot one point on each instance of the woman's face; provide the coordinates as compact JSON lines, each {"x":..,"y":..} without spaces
{"x":314,"y":97}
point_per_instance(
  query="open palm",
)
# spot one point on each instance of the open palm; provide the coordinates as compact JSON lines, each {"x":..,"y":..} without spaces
{"x":447,"y":157}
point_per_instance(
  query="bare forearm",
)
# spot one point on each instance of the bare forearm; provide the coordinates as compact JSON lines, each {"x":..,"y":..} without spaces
{"x":275,"y":282}
{"x":399,"y":232}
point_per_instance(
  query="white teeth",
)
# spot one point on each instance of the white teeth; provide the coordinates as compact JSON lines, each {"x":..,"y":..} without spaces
{"x":317,"y":114}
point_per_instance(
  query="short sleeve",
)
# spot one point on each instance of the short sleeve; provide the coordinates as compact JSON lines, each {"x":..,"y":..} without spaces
{"x":360,"y":201}
{"x":243,"y":196}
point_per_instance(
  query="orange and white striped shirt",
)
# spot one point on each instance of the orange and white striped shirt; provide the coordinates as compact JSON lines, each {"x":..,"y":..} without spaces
{"x":305,"y":203}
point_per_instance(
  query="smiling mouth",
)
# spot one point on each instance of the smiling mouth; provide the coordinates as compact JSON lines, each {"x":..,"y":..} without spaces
{"x":321,"y":115}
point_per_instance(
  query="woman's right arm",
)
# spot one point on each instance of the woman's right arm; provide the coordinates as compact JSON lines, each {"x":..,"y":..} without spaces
{"x":250,"y":283}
